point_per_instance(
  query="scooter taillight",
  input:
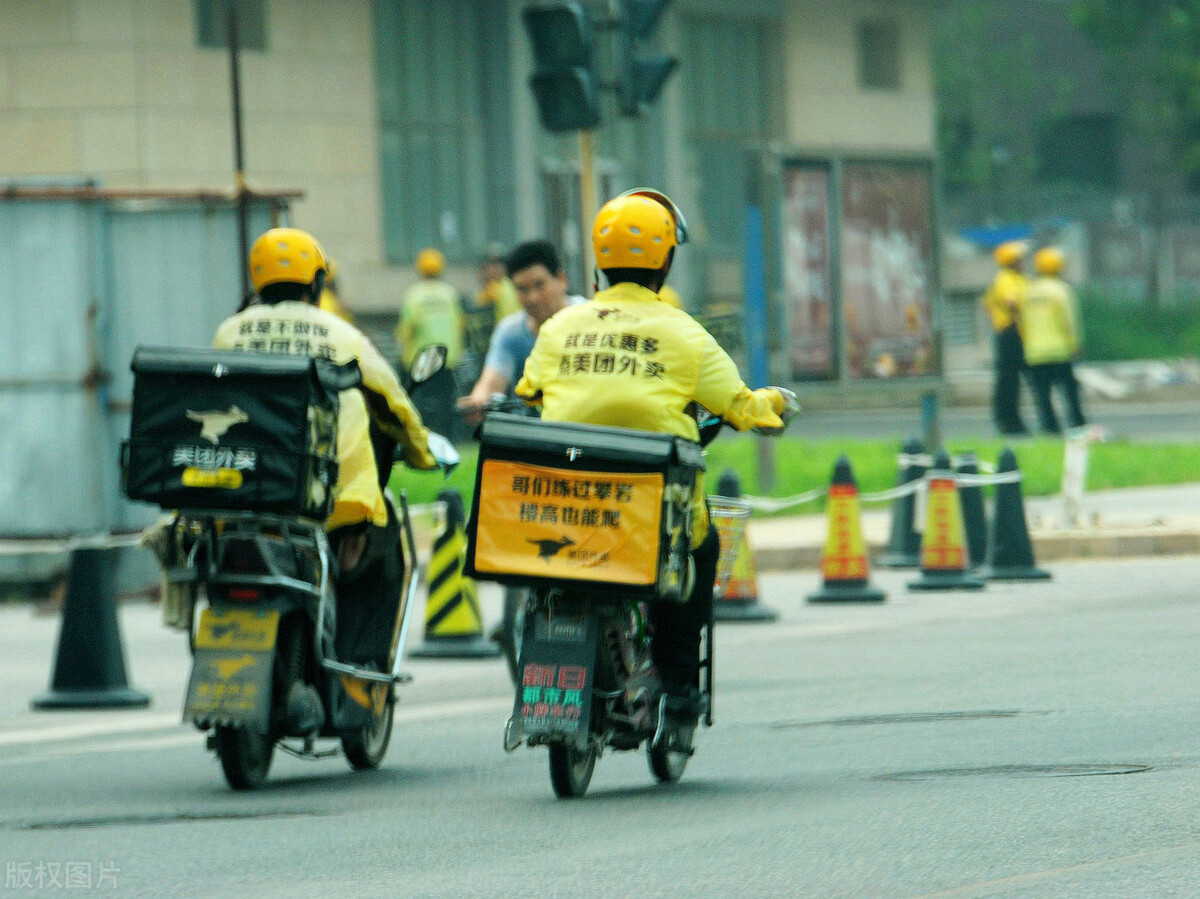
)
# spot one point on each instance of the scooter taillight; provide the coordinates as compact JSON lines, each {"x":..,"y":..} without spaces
{"x":244,"y":594}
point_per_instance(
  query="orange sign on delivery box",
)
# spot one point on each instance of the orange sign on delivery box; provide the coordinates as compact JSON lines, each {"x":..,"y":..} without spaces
{"x":577,"y":525}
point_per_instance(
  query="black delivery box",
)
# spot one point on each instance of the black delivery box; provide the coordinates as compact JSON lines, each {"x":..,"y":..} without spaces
{"x":231,"y":430}
{"x":562,"y":504}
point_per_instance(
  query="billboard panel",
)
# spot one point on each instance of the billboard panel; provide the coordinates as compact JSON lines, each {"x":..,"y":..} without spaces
{"x":807,"y":272}
{"x":887,"y":269}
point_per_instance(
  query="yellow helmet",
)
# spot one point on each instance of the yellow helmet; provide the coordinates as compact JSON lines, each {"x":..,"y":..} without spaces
{"x":1049,"y":261}
{"x":1010,"y":252}
{"x":638,"y":229}
{"x":285,"y":256}
{"x":430,"y":263}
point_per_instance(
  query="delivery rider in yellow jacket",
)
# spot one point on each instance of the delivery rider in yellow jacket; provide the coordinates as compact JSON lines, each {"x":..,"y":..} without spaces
{"x":1004,"y":303}
{"x":1051,"y":337}
{"x":629,"y":359}
{"x":288,"y":269}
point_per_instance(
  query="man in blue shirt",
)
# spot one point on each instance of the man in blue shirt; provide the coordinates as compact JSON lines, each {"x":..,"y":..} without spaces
{"x":541,"y":285}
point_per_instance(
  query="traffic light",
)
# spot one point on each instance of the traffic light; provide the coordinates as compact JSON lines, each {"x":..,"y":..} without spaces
{"x":565,"y":85}
{"x":640,"y":76}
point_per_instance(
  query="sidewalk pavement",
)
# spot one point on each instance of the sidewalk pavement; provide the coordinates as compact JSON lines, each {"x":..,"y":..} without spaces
{"x":1139,"y":521}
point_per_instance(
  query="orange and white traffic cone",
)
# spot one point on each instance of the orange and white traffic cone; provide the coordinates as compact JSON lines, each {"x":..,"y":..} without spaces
{"x":944,"y":560}
{"x":739,"y":600}
{"x":844,"y":566}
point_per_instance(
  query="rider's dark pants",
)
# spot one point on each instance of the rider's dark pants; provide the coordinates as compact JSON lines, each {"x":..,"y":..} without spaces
{"x":368,"y":597}
{"x":675,"y":645}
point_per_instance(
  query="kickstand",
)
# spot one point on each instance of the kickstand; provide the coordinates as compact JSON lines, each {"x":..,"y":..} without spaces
{"x":707,"y":665}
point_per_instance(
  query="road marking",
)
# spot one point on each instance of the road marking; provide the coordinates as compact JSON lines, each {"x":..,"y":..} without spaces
{"x":115,"y":725}
{"x":164,"y":722}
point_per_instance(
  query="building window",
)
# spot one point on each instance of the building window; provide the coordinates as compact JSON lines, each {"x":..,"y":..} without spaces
{"x":444,"y":115}
{"x":212,"y":23}
{"x":878,"y":56}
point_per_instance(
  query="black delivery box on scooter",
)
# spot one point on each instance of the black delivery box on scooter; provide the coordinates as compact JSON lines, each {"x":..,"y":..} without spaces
{"x":570,"y":505}
{"x":232,"y":430}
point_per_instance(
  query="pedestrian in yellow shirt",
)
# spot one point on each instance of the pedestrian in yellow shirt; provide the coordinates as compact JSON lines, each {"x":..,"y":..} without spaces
{"x":431,"y":313}
{"x":1051,"y":337}
{"x":1004,"y":301}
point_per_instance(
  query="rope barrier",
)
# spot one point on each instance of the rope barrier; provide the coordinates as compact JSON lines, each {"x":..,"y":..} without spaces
{"x":921,"y":485}
{"x":925,"y":460}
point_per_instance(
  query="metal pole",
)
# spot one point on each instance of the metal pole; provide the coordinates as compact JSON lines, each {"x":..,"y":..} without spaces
{"x":587,"y":202}
{"x":239,"y":178}
{"x":757,"y":350}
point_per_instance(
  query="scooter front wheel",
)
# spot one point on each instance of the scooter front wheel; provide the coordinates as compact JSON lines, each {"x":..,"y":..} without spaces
{"x":365,"y":748}
{"x":571,"y":769}
{"x":245,"y":756}
{"x":667,"y":764}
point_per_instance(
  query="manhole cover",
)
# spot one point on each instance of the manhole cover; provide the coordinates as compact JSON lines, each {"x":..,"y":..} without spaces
{"x":908,"y":718}
{"x":1101,"y":770}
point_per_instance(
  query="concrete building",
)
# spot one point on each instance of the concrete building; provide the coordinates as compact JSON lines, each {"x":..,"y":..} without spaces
{"x":409,"y":122}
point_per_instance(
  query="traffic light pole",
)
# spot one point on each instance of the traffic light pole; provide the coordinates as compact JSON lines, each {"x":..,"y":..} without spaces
{"x":587,"y":200}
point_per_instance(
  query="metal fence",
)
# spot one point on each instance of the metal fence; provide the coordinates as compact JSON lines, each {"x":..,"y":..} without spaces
{"x":89,"y":275}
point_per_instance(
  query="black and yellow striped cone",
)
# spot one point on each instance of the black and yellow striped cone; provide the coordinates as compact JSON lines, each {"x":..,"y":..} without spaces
{"x":453,"y":623}
{"x":844,"y":568}
{"x":944,"y":560}
{"x":739,"y":601}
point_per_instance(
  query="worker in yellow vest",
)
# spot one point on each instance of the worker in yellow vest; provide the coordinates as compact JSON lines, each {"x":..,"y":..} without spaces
{"x":1004,"y":302}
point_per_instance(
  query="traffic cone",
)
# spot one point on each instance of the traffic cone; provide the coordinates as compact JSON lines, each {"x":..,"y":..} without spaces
{"x":943,"y":546}
{"x":904,"y":544}
{"x":1010,"y":552}
{"x":89,"y":665}
{"x":844,"y":567}
{"x":453,"y":624}
{"x":970,"y":496}
{"x":739,"y":602}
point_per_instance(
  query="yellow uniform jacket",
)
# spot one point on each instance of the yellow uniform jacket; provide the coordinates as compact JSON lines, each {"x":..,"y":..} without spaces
{"x":1050,"y":333}
{"x":431,"y":314}
{"x":628,"y":359}
{"x":1004,"y":297}
{"x":300,"y":328}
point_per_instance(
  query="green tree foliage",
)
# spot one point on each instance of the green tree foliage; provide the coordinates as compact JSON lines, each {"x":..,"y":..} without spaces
{"x":1153,"y":52}
{"x":978,"y":84}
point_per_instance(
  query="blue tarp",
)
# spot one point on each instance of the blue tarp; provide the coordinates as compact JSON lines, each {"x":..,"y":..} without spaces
{"x":990,"y":238}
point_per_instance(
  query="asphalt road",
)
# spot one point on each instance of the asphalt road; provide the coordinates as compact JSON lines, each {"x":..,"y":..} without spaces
{"x":1034,"y":739}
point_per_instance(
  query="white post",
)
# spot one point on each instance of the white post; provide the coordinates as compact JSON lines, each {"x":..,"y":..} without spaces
{"x":1075,"y":461}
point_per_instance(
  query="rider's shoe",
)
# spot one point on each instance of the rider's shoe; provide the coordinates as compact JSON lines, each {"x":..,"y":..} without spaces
{"x":305,"y":711}
{"x":684,"y":705}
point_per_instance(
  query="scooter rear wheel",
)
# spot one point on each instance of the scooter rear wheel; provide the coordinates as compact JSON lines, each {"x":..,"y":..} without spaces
{"x":245,"y":756}
{"x":571,"y":769}
{"x":366,"y":748}
{"x":666,"y":764}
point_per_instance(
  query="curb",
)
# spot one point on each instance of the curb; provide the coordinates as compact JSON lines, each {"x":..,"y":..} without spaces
{"x":1047,"y":548}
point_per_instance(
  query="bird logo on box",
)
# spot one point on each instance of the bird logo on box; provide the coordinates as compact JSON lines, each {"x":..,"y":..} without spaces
{"x":214,"y":423}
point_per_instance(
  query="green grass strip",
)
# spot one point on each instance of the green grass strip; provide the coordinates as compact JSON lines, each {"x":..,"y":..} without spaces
{"x":801,"y":465}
